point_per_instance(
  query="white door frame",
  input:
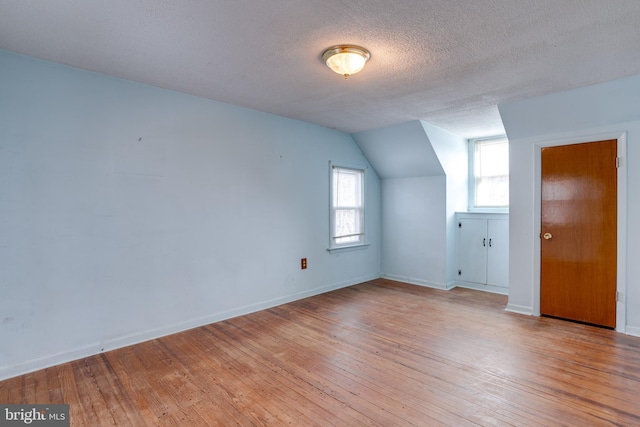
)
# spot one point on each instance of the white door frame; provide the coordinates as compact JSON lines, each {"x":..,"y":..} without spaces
{"x":622,"y":217}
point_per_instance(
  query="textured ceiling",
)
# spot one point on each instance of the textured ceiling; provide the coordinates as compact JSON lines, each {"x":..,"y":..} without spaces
{"x":449,"y":62}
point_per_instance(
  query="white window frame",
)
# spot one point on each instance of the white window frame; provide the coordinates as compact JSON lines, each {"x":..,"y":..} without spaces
{"x":361,"y":242}
{"x":472,"y":176}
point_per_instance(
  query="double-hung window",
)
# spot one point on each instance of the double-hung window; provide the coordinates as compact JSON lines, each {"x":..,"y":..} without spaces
{"x":347,"y":206}
{"x":490,"y":173}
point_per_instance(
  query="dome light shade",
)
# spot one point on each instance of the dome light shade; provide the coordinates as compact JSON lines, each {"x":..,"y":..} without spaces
{"x":346,"y":59}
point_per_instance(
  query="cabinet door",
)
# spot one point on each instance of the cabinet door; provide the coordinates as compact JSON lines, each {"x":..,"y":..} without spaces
{"x":498,"y":253}
{"x":473,"y":250}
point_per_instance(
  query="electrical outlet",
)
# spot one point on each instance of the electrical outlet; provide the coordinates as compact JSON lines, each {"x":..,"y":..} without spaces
{"x":303,"y":263}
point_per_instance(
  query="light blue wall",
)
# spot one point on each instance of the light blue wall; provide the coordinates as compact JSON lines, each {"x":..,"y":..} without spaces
{"x":414,"y":231}
{"x":128,"y":212}
{"x":453,"y":153}
{"x":604,"y":111}
{"x":423,"y":170}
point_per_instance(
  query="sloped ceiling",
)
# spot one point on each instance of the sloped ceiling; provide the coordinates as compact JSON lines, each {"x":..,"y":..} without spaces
{"x":399,"y":151}
{"x":449,"y":62}
{"x":599,"y":105}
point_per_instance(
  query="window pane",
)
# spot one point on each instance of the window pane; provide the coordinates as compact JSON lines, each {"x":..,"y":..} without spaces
{"x":347,"y":187}
{"x":492,"y":191}
{"x":347,"y":209}
{"x":348,"y":223}
{"x":491,"y":173}
{"x":492,"y":158}
{"x":351,"y":239}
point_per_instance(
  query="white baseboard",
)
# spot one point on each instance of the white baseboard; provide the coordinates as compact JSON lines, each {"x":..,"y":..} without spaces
{"x":633,"y":330}
{"x":480,"y":287}
{"x":136,"y":338}
{"x":414,"y":281}
{"x":520,"y":309}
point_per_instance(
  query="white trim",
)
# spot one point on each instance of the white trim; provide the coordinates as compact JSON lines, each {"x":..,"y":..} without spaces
{"x":348,"y":248}
{"x":483,"y":215}
{"x":489,"y":210}
{"x":362,"y":243}
{"x":451,"y":285}
{"x":419,"y":282}
{"x":520,"y":309}
{"x":577,"y":138}
{"x":633,"y":330}
{"x":471,"y":172}
{"x":483,"y":287}
{"x":136,"y":338}
{"x":621,"y":274}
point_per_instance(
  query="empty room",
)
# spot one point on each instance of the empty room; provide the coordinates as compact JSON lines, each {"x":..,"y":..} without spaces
{"x":319,"y":213}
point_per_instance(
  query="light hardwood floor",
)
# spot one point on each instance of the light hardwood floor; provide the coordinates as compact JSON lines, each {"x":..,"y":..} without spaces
{"x":379,"y":353}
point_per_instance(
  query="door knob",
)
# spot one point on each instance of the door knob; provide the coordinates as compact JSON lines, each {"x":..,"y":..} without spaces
{"x":547,"y":236}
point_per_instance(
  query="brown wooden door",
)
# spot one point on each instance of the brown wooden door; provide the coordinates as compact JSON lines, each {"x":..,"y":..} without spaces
{"x":579,"y":232}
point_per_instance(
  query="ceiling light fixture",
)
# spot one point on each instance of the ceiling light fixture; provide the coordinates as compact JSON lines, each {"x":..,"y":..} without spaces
{"x":346,"y":59}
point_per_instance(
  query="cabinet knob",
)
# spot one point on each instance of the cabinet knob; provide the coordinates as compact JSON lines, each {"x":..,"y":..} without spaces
{"x":547,"y":236}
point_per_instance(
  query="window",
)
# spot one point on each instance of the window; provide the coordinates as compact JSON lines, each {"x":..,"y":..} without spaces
{"x":490,"y":173}
{"x":347,"y":206}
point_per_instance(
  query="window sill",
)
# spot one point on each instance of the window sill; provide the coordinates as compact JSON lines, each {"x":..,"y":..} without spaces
{"x":349,"y":248}
{"x":489,"y":210}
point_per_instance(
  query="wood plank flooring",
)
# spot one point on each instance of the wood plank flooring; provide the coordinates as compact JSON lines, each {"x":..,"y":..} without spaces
{"x":380,"y":353}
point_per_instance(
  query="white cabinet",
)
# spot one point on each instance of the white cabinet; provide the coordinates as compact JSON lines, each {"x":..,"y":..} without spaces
{"x":483,"y":251}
